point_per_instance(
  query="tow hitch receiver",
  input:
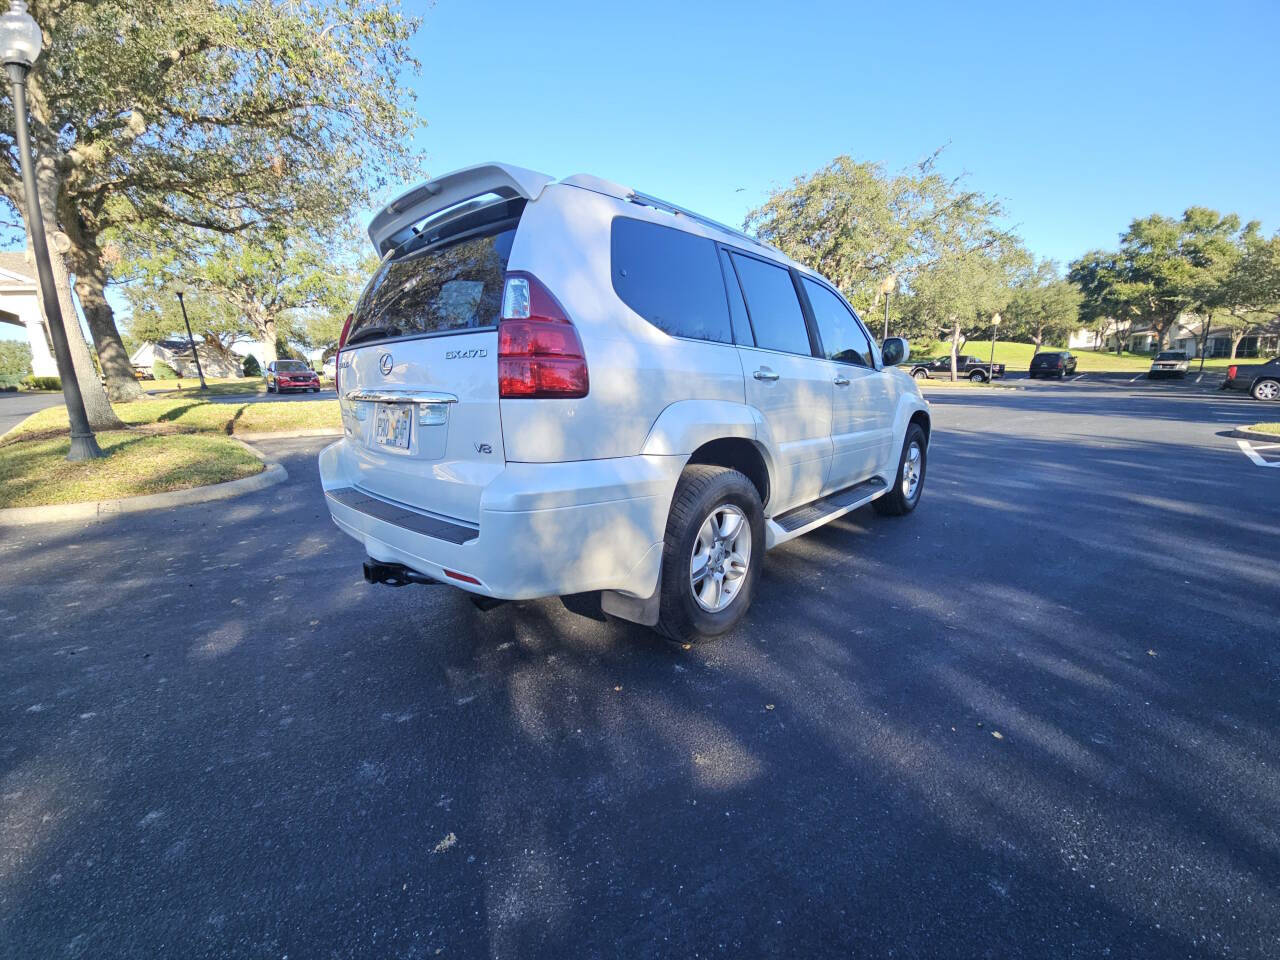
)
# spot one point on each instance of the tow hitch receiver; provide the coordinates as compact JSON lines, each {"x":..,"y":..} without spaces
{"x":394,"y":574}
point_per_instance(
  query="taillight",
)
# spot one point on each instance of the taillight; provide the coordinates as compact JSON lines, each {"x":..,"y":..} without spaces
{"x":342,"y":342}
{"x":1231,"y":372}
{"x":1058,"y":362}
{"x":539,"y":351}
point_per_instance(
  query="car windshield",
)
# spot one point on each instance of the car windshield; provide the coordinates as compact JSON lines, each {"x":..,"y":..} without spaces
{"x":1171,"y":356}
{"x":291,"y":366}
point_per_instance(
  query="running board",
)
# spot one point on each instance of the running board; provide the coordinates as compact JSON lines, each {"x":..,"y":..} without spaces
{"x":802,"y":519}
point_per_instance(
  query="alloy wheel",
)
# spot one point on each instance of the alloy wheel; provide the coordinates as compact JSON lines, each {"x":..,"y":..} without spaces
{"x":911,"y":471}
{"x":721,"y":558}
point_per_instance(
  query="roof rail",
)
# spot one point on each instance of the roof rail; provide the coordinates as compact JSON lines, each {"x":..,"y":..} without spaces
{"x":649,"y":201}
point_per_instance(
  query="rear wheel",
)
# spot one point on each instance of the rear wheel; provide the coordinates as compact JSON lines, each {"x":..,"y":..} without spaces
{"x":920,"y":374}
{"x":908,"y":483}
{"x":270,"y":388}
{"x":713,"y":551}
{"x":1266,"y":390}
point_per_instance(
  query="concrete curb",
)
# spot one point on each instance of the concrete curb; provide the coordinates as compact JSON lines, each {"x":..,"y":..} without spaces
{"x":101,"y":509}
{"x":1246,"y":434}
{"x":289,"y":434}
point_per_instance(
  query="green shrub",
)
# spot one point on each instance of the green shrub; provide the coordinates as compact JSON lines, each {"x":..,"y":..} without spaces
{"x":42,"y":383}
{"x":251,"y":366}
{"x":162,"y":371}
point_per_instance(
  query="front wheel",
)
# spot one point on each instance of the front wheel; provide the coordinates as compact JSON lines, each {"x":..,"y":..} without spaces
{"x":920,"y":374}
{"x":908,"y":483}
{"x":1266,"y":390}
{"x":712,"y":553}
{"x":978,"y":377}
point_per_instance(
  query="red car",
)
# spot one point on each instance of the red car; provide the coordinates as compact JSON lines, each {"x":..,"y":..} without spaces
{"x":285,"y":375}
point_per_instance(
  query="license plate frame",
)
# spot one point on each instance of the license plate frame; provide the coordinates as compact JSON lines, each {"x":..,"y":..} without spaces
{"x":393,"y":425}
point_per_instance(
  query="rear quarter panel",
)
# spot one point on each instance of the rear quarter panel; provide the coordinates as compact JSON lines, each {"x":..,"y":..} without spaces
{"x":636,"y":371}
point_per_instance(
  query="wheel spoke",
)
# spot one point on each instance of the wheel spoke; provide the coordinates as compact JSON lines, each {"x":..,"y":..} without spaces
{"x":730,"y":526}
{"x":735,"y":567}
{"x":698,"y":568}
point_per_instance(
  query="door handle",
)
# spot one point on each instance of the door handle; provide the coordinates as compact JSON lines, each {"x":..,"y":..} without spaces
{"x":763,"y":374}
{"x":841,"y":381}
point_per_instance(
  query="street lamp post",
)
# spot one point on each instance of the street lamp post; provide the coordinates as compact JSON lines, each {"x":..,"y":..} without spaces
{"x":886,"y":288}
{"x":192,"y":341}
{"x":991,"y":364}
{"x":20,"y":41}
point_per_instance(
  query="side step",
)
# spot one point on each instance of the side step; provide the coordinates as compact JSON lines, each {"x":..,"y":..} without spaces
{"x":804,"y":518}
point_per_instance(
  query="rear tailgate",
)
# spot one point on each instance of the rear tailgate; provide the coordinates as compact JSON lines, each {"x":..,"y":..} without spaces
{"x":418,"y":378}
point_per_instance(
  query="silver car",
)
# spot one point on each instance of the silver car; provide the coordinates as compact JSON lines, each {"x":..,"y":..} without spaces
{"x":1171,"y":363}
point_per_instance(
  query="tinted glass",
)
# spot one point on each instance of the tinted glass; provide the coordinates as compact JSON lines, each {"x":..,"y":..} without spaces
{"x":291,"y":366}
{"x":1178,"y":355}
{"x":842,"y":337}
{"x":737,"y":306}
{"x":671,"y":278}
{"x":772,"y":305}
{"x":456,"y":286}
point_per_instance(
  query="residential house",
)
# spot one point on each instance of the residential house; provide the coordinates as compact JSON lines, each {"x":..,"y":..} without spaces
{"x":177,"y":354}
{"x":20,"y":306}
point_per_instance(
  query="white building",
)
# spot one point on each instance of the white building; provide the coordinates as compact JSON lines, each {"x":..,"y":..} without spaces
{"x":1184,"y":337}
{"x":20,"y":306}
{"x":177,"y":354}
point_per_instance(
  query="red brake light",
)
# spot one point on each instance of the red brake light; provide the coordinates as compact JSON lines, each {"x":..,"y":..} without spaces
{"x":342,"y":342}
{"x":539,"y":351}
{"x":1231,"y":372}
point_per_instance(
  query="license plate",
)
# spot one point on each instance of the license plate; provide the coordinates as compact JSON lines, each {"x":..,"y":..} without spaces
{"x":391,"y":425}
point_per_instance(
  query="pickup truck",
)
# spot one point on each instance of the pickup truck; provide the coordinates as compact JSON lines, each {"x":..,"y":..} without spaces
{"x":967,"y":368}
{"x":1260,"y":380}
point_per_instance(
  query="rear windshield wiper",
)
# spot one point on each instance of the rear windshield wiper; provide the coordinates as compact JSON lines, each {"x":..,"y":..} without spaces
{"x":378,"y":330}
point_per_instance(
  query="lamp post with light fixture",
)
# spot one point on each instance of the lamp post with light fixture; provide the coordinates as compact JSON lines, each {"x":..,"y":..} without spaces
{"x":20,"y":42}
{"x":886,"y":288}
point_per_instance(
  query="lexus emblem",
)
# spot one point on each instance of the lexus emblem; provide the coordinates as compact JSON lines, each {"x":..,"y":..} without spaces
{"x":385,"y":363}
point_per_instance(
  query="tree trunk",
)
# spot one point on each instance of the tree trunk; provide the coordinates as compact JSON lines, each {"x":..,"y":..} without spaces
{"x":1235,"y":341}
{"x":96,"y":405}
{"x":265,"y":324}
{"x":91,"y":284}
{"x":1039,"y":338}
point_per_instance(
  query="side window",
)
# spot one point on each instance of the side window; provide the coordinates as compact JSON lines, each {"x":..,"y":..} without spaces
{"x":772,"y":305}
{"x":671,"y":278}
{"x":737,"y":306}
{"x":842,"y":337}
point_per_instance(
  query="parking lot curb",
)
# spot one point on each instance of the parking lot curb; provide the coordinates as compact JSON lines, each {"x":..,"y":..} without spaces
{"x":1244,"y":433}
{"x":101,"y":509}
{"x":289,"y":434}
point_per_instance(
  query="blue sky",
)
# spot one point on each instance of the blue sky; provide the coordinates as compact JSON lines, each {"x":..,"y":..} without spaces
{"x":1078,"y":116}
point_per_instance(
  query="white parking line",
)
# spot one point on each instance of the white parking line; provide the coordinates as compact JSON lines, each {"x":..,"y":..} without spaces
{"x":1251,"y":451}
{"x":1199,"y":378}
{"x":1136,"y":379}
{"x":1081,"y":377}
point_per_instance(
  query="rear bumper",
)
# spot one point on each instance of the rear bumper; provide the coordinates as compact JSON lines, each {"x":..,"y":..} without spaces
{"x":544,"y":530}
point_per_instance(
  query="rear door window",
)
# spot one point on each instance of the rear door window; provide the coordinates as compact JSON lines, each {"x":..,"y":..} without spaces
{"x":842,"y":337}
{"x":772,"y":304}
{"x":453,"y":286}
{"x":671,"y":278}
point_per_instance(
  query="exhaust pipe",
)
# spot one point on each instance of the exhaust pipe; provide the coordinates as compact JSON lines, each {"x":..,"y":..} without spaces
{"x":394,"y":574}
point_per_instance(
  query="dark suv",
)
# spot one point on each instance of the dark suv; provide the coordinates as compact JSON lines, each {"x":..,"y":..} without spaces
{"x":1053,"y":363}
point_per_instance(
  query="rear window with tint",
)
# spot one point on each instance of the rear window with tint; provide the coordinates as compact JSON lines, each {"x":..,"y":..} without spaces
{"x":457,"y":286}
{"x":671,"y":278}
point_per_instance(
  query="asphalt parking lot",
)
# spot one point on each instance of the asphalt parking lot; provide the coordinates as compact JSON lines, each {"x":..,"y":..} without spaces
{"x":1037,"y":718}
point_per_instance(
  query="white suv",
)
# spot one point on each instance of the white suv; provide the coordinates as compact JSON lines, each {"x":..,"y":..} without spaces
{"x":563,"y":387}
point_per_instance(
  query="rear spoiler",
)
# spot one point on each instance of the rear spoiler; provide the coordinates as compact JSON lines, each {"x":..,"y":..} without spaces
{"x":394,"y":223}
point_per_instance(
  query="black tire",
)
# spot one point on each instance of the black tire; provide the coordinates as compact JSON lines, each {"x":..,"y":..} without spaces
{"x":1265,"y":390}
{"x":896,"y":503}
{"x":978,"y":377}
{"x":1062,"y":374}
{"x":270,"y":388}
{"x":315,"y":389}
{"x":702,"y":490}
{"x":920,"y":374}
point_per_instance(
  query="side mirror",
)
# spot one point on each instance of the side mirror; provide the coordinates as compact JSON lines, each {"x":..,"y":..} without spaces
{"x":896,"y":350}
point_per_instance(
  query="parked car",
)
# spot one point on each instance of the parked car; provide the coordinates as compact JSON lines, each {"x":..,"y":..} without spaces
{"x":543,"y":393}
{"x":1260,"y":380}
{"x":329,"y":368}
{"x":1052,"y":363}
{"x":142,"y":373}
{"x":1171,"y":363}
{"x":967,"y":368}
{"x":285,"y":375}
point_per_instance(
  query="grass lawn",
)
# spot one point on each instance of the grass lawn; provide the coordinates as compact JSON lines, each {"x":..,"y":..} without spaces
{"x":1017,"y":357}
{"x":218,"y":387}
{"x":183,"y":415}
{"x":1266,"y":428}
{"x":36,"y":472}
